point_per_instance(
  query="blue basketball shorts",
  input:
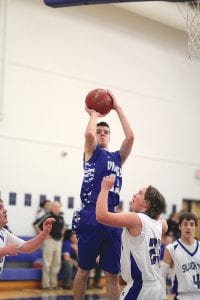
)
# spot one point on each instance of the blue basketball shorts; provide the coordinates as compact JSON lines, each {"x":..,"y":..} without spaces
{"x":95,"y":239}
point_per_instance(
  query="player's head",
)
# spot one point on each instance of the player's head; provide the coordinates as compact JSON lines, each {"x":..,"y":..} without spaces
{"x":69,"y":235}
{"x":187,"y":216}
{"x":103,"y":134}
{"x":156,"y":202}
{"x":3,"y":214}
{"x":150,"y":201}
{"x":187,"y":224}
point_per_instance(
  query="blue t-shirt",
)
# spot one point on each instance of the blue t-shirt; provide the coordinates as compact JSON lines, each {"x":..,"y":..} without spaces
{"x":66,"y":248}
{"x":102,"y":163}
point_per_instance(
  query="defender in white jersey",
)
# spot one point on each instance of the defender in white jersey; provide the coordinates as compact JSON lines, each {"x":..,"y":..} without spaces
{"x":12,"y":245}
{"x":141,"y":240}
{"x":184,"y":256}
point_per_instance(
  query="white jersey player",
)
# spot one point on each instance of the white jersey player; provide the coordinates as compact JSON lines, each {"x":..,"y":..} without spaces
{"x":12,"y":245}
{"x":184,"y":256}
{"x":7,"y":238}
{"x":141,"y":253}
{"x":141,"y":240}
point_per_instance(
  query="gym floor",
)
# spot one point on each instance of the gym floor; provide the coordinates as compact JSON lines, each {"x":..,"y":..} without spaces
{"x":38,"y":294}
{"x":59,"y":294}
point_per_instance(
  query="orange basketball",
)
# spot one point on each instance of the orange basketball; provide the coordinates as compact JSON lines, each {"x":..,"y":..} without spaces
{"x":99,"y":100}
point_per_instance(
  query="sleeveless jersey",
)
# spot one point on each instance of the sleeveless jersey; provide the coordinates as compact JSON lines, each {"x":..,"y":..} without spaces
{"x":102,"y":163}
{"x":140,"y":255}
{"x":8,"y":238}
{"x":186,"y":266}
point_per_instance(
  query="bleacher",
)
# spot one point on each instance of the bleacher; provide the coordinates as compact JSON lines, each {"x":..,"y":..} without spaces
{"x":24,"y":269}
{"x":21,"y":267}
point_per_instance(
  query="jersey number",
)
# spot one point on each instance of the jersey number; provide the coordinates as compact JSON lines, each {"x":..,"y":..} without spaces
{"x":196,"y":280}
{"x":154,"y":251}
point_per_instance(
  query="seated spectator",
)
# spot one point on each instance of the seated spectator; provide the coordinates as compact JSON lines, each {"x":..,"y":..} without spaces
{"x":69,"y":258}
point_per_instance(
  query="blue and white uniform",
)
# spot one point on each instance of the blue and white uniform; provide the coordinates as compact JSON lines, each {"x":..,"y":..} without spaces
{"x":140,"y":261}
{"x":8,"y":238}
{"x":186,"y":260}
{"x":94,"y":238}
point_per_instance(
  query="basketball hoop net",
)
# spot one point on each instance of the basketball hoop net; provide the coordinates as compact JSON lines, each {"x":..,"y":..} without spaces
{"x":191,"y":14}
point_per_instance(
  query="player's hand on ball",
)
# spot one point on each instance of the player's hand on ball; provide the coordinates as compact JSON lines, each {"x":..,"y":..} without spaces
{"x":90,"y":111}
{"x":115,"y":103}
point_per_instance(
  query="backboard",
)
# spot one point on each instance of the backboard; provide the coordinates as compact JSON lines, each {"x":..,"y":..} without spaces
{"x":191,"y":14}
{"x":62,"y":3}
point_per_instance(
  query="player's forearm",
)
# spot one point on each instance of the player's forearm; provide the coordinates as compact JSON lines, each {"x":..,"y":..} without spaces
{"x":91,"y":127}
{"x":102,"y":213}
{"x":33,"y":244}
{"x":127,"y":143}
{"x":125,"y":124}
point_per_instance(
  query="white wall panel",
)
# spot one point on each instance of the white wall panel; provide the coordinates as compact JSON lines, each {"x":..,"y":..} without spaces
{"x":51,"y":58}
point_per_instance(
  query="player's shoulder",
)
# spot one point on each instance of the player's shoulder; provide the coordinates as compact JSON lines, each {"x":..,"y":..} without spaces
{"x":172,"y":246}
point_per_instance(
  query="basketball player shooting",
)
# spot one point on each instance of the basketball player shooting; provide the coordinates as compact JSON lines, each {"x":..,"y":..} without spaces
{"x":95,"y":239}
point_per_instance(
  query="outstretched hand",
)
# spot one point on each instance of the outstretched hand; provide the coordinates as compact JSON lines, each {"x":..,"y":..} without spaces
{"x":108,"y":182}
{"x":47,"y":225}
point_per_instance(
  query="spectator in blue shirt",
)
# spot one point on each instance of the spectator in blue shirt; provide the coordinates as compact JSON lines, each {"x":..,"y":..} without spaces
{"x":69,"y":258}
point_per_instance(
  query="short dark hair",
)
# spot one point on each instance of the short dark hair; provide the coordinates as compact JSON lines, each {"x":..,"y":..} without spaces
{"x":102,"y":123}
{"x":42,"y":204}
{"x":156,"y":200}
{"x":68,"y":234}
{"x":188,"y":216}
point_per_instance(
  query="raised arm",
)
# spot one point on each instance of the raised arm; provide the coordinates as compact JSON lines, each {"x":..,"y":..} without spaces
{"x":129,"y":219}
{"x":90,"y":133}
{"x":127,"y":143}
{"x":33,"y":244}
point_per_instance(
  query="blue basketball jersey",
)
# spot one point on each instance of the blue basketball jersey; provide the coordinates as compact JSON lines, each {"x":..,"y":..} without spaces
{"x":102,"y":163}
{"x":95,"y":239}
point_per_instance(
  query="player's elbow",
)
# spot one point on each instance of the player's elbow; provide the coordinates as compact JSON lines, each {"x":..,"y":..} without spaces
{"x":98,"y":217}
{"x":130,"y":139}
{"x":90,"y":135}
{"x":101,"y":218}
